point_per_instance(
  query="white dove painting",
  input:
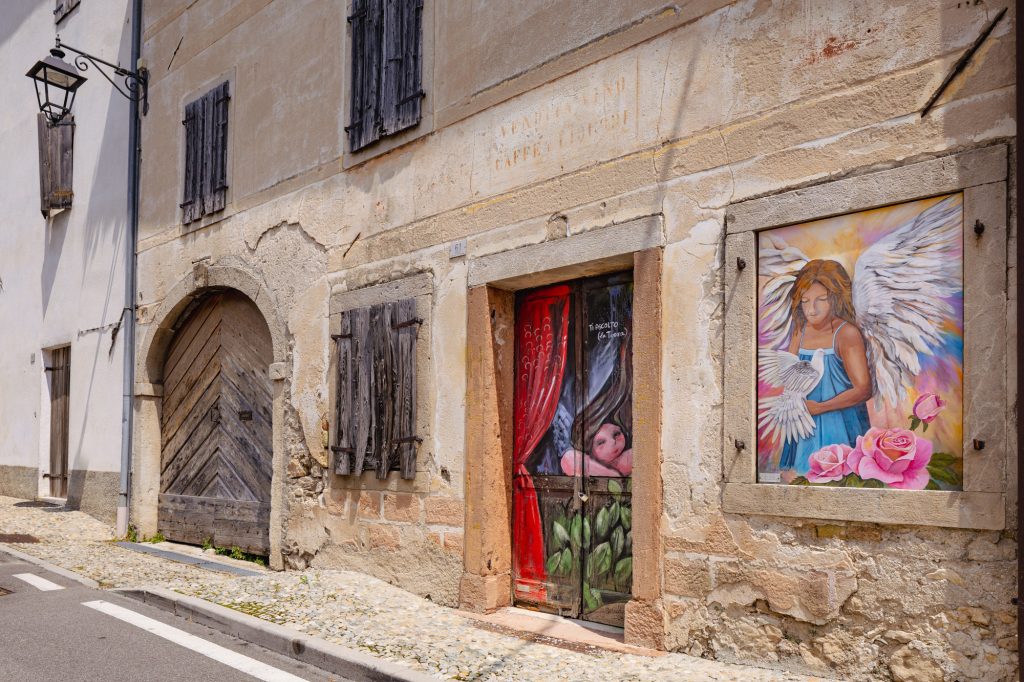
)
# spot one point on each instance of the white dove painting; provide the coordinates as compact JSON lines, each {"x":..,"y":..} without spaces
{"x":860,"y":348}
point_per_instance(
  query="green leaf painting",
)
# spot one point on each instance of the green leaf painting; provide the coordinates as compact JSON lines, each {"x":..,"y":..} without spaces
{"x":601,"y":525}
{"x":560,"y":534}
{"x":618,"y":542}
{"x":624,"y":574}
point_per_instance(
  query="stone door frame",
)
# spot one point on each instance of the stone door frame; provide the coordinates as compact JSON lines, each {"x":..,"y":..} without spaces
{"x":159,"y":331}
{"x":493,"y":280}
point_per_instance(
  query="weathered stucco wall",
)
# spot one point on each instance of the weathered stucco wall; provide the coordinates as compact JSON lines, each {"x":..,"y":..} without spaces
{"x":747,"y":100}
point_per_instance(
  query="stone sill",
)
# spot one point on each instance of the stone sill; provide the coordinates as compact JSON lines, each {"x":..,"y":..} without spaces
{"x":947,"y":509}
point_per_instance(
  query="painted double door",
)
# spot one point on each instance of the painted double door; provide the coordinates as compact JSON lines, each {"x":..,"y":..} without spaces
{"x":573,"y":451}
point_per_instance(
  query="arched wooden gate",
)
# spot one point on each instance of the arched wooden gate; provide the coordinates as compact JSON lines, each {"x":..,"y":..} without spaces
{"x":216,"y":437}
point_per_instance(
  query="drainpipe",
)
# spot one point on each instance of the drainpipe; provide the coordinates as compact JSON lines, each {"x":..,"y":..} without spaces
{"x":1019,"y":167}
{"x":128,"y":313}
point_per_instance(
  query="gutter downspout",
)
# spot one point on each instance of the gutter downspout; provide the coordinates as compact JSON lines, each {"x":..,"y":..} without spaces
{"x":128,"y":392}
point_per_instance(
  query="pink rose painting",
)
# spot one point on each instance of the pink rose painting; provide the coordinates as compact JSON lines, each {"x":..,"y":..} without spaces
{"x":926,"y":408}
{"x":829,"y":464}
{"x":897,"y":457}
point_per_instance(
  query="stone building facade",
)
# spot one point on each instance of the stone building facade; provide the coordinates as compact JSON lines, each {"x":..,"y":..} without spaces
{"x":558,"y":143}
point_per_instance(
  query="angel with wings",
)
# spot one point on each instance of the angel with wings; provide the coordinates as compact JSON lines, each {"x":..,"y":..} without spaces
{"x":833,"y":343}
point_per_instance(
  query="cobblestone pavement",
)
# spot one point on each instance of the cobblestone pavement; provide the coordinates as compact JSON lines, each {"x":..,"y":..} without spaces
{"x":354,"y":610}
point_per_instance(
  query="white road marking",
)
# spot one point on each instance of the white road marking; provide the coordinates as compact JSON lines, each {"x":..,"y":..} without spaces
{"x":218,"y":653}
{"x":37,"y":582}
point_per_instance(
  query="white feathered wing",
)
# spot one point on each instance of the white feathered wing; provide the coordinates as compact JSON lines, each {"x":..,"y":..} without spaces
{"x":785,"y":417}
{"x":900,"y":284}
{"x":781,"y":263}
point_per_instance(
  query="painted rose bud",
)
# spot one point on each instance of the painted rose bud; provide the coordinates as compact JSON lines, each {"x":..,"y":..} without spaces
{"x":829,"y":464}
{"x":896,"y":457}
{"x":928,"y":406}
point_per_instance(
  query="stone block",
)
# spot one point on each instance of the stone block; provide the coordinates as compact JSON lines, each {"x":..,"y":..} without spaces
{"x":402,"y":507}
{"x":910,"y":665}
{"x":369,"y":504}
{"x":687,"y":577}
{"x":646,"y":624}
{"x":445,"y":511}
{"x":453,"y":542}
{"x":383,"y":537}
{"x":485,"y":593}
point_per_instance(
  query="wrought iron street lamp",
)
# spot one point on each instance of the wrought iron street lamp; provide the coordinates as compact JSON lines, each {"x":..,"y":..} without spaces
{"x":56,"y":81}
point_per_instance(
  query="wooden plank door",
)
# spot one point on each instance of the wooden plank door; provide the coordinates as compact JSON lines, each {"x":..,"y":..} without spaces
{"x":216,"y":461}
{"x":60,"y":388}
{"x":574,"y":341}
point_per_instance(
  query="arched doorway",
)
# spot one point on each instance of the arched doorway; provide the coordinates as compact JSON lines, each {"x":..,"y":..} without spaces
{"x":216,"y":458}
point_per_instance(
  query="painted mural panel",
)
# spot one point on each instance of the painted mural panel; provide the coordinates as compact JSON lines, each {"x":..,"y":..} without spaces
{"x":573,"y":451}
{"x":860,"y":349}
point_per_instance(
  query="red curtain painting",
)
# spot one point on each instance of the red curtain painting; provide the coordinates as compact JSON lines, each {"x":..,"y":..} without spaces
{"x":542,"y":332}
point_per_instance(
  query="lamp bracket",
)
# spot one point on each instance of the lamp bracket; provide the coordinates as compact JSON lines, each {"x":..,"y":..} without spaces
{"x":134,"y":85}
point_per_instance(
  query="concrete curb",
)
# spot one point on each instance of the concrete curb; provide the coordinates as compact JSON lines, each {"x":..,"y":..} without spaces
{"x":333,"y":658}
{"x":64,"y":573}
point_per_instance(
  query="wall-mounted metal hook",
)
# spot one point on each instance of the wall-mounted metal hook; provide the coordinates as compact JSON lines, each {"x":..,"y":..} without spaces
{"x":740,"y":445}
{"x":740,"y":263}
{"x":979,"y":444}
{"x":979,"y":227}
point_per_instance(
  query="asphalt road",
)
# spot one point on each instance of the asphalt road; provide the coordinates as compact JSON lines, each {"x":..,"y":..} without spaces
{"x":79,"y":633}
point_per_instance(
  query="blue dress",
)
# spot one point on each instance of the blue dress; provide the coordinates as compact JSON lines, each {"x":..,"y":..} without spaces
{"x":830,"y":428}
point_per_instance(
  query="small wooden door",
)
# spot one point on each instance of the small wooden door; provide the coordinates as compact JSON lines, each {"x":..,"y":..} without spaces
{"x":60,"y":388}
{"x":572,"y":485}
{"x":216,"y":461}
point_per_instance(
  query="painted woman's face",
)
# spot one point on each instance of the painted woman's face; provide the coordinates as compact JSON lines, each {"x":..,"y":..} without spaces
{"x":815,"y":303}
{"x":609,"y":442}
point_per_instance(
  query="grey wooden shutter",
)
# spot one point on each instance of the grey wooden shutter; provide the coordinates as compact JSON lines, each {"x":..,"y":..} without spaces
{"x":216,"y":180}
{"x":364,"y":118}
{"x":405,"y":330}
{"x":354,"y":411}
{"x":56,"y":163}
{"x":376,"y":390}
{"x":383,"y":386}
{"x":63,"y":8}
{"x":402,"y":89}
{"x":192,"y":201}
{"x":206,"y":143}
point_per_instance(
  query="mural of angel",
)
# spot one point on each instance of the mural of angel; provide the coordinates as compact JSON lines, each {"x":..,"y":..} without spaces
{"x":843,"y":360}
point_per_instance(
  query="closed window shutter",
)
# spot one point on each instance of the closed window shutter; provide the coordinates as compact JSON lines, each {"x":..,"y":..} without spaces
{"x":376,"y":390}
{"x":63,"y":8}
{"x":56,"y":163}
{"x":217,"y":178}
{"x":364,"y":118}
{"x":206,"y":143}
{"x":191,"y":200}
{"x":403,"y":48}
{"x":405,"y":330}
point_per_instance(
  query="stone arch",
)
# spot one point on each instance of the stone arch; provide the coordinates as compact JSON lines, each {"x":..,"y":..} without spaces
{"x":184,"y":295}
{"x":182,"y":298}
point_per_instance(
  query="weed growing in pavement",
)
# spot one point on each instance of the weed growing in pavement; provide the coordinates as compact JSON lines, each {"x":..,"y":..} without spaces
{"x":304,"y":580}
{"x":158,"y":537}
{"x":132,"y":535}
{"x":236,"y":553}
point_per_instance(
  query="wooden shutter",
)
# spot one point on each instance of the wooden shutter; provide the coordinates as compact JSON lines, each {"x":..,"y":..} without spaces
{"x":56,"y":157}
{"x":64,"y":8}
{"x":206,"y":144}
{"x":405,"y":330}
{"x":376,"y":390}
{"x":402,"y":89}
{"x":215,"y":149}
{"x":366,"y":35}
{"x":192,"y":199}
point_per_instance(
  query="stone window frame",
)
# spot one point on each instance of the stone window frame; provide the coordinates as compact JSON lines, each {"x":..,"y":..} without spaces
{"x":981,"y":174}
{"x":420,"y":288}
{"x":492,"y":281}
